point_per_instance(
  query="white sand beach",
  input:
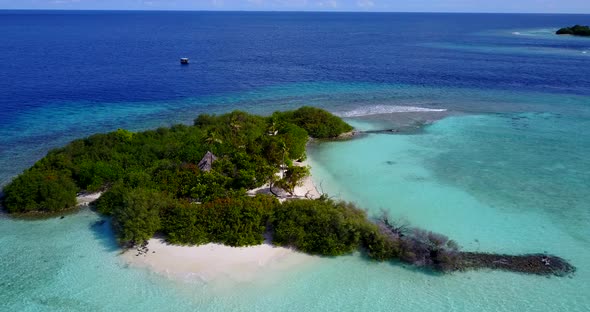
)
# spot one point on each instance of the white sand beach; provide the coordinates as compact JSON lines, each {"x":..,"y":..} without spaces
{"x":87,"y":198}
{"x":214,"y":262}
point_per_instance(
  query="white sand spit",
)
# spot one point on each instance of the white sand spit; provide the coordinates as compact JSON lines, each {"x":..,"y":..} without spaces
{"x":214,"y":262}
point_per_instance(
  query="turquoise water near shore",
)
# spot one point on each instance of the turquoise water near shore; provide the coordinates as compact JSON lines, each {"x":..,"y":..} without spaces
{"x":77,"y":268}
{"x":497,"y":161}
{"x":507,"y":183}
{"x":503,"y":172}
{"x":510,"y":182}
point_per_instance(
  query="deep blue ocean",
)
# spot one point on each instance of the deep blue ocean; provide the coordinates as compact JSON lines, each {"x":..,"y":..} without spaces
{"x":502,"y":164}
{"x":80,"y":62}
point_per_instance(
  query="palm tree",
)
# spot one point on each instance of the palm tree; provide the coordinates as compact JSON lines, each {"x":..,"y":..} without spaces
{"x":213,"y":138}
{"x":273,"y":127}
{"x":235,"y":125}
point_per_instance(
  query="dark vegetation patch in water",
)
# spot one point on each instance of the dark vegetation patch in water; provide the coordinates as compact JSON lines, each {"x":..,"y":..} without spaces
{"x":576,"y":30}
{"x":435,"y":251}
{"x":540,"y":264}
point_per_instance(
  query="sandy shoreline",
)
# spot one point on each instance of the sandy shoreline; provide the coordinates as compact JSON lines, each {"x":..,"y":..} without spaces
{"x":214,"y":262}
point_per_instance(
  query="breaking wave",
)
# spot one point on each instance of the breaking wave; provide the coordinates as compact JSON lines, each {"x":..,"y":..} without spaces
{"x":387,"y":109}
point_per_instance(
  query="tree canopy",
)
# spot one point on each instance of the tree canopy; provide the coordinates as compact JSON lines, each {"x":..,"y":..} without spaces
{"x":153,"y":184}
{"x":576,"y":30}
{"x":250,"y":149}
{"x":321,"y":227}
{"x":152,"y":177}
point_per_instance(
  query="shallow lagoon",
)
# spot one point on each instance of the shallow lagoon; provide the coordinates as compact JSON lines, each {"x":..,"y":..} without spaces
{"x":440,"y":179}
{"x":506,"y":172}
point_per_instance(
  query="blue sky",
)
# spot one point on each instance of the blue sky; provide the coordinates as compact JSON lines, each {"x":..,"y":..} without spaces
{"x":512,"y":6}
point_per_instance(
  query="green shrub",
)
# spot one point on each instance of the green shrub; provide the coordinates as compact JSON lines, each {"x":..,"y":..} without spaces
{"x":321,"y":227}
{"x":112,"y":199}
{"x":94,"y":175}
{"x":137,"y":219}
{"x":238,"y":221}
{"x":295,"y":139}
{"x":317,"y":122}
{"x":40,"y":190}
{"x":380,"y":245}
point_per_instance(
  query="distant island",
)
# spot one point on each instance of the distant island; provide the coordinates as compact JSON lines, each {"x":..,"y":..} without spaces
{"x":189,"y":185}
{"x":576,"y":30}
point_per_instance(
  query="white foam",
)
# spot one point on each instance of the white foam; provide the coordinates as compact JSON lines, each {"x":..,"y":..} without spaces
{"x":516,"y":33}
{"x":388,"y":109}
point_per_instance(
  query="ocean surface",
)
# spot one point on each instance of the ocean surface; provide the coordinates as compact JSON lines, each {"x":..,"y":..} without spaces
{"x":492,"y":119}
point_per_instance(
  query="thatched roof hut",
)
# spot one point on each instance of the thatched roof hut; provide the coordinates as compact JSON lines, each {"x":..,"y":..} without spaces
{"x":206,"y":164}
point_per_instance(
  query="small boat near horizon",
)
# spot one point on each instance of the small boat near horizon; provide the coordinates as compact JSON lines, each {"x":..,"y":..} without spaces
{"x":184,"y":61}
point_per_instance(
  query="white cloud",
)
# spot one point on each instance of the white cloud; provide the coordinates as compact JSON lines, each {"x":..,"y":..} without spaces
{"x":217,"y":3}
{"x":328,"y":4}
{"x":365,"y":4}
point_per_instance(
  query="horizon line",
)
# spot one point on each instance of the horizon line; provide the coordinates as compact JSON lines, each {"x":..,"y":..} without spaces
{"x":288,"y":11}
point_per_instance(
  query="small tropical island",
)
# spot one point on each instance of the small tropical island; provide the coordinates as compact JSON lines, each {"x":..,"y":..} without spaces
{"x":192,"y":185}
{"x":576,"y":30}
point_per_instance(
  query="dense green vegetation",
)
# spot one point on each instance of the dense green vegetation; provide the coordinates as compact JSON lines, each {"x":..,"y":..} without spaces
{"x":238,"y":221}
{"x":320,"y":227}
{"x":152,"y":176}
{"x":159,"y":182}
{"x":45,"y":190}
{"x":250,"y":150}
{"x":576,"y":30}
{"x":137,"y":217}
{"x":318,"y":123}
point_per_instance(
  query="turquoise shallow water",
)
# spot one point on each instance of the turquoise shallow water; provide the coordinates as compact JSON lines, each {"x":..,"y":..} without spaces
{"x":486,"y":182}
{"x":506,"y":175}
{"x":506,"y":170}
{"x":512,"y":181}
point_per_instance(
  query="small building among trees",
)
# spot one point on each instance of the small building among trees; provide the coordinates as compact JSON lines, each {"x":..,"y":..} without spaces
{"x":206,"y":164}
